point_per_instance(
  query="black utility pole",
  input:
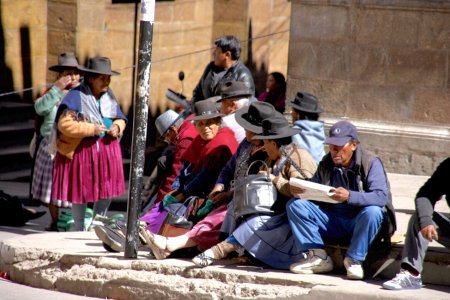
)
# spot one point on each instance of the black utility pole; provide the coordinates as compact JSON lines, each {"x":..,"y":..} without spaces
{"x":140,"y":126}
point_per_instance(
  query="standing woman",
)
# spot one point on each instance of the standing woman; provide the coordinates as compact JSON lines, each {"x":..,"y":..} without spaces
{"x":275,"y":93}
{"x":88,"y":164}
{"x":46,"y":106}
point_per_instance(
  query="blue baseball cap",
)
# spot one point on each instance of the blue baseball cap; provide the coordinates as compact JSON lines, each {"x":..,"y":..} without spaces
{"x":341,"y":132}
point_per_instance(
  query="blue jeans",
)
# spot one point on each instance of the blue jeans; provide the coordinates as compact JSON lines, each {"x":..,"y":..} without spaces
{"x":312,"y":223}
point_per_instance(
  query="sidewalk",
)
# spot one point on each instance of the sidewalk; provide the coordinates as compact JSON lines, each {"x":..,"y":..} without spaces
{"x":75,"y":262}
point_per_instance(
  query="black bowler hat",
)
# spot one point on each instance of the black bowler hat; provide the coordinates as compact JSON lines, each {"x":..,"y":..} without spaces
{"x":234,"y":89}
{"x":206,"y":109}
{"x":306,"y":102}
{"x":276,"y":127}
{"x":251,"y":117}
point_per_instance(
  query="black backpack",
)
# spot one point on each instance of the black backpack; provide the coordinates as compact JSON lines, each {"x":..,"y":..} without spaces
{"x":11,"y":210}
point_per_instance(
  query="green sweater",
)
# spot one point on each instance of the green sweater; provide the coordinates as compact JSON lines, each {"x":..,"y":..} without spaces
{"x":47,"y":106}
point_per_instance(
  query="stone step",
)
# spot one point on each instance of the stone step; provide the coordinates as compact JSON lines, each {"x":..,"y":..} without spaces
{"x":15,"y":112}
{"x":20,"y":175}
{"x":16,"y":133}
{"x":64,"y":260}
{"x":15,"y":158}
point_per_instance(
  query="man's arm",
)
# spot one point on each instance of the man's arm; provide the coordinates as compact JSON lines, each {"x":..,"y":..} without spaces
{"x":377,"y":190}
{"x":432,"y":191}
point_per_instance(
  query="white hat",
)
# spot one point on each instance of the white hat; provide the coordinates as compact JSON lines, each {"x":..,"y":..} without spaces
{"x":166,"y":120}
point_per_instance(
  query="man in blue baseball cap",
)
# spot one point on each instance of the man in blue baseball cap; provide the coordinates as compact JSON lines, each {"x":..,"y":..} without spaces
{"x":361,"y":213}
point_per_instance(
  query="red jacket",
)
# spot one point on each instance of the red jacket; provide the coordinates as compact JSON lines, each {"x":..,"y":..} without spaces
{"x":185,"y":137}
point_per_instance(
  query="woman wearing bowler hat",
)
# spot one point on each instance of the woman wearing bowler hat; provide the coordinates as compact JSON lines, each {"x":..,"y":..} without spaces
{"x":68,"y":77}
{"x":305,"y":116}
{"x":206,"y":232}
{"x":88,"y":163}
{"x":203,"y":161}
{"x":267,"y":237}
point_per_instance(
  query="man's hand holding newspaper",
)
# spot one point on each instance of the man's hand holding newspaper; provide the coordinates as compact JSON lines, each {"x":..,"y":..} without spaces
{"x":308,"y":190}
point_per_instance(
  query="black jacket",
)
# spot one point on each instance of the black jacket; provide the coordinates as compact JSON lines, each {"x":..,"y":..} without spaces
{"x":437,"y":186}
{"x":214,"y":77}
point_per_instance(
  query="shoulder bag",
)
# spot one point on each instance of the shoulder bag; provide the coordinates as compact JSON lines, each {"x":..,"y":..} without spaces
{"x":254,"y":194}
{"x":178,"y":220}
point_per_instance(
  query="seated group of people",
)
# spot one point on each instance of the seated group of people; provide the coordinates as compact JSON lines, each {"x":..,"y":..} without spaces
{"x":209,"y":157}
{"x":227,"y":137}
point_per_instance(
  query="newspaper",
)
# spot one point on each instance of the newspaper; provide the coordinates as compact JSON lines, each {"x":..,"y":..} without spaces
{"x":313,"y":191}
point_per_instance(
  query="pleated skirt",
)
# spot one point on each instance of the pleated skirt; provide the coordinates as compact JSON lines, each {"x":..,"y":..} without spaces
{"x":94,"y":173}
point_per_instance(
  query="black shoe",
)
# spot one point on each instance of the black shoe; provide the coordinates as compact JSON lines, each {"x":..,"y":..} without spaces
{"x":29,"y":214}
{"x":52,"y":227}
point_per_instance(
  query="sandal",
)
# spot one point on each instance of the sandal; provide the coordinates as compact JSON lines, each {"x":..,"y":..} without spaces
{"x":202,"y":260}
{"x":150,"y":239}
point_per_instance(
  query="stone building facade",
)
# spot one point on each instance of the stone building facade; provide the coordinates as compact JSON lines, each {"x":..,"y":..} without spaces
{"x":183,"y":36}
{"x":384,"y":65}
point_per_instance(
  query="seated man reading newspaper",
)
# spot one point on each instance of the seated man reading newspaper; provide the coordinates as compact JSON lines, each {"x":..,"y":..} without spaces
{"x":362,"y":205}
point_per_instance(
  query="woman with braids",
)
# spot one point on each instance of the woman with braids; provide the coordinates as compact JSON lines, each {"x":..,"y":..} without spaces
{"x":46,"y":107}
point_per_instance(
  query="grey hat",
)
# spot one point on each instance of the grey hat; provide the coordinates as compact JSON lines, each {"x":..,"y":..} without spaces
{"x":206,"y":109}
{"x":166,"y":120}
{"x":66,"y":60}
{"x":99,"y":65}
{"x":276,"y":127}
{"x":306,"y":102}
{"x":341,"y":132}
{"x":234,"y":89}
{"x":251,"y":117}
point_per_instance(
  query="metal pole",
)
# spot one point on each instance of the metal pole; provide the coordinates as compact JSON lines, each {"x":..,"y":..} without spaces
{"x":140,"y":127}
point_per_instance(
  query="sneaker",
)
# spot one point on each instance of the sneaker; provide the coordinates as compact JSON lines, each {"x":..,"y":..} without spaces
{"x":354,"y":268}
{"x":404,"y":281}
{"x":315,"y":261}
{"x":121,"y":225}
{"x":112,"y":238}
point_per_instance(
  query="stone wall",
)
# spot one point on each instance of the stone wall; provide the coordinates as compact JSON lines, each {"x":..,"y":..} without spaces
{"x":270,"y":20}
{"x":385,"y":66}
{"x":183,"y":36}
{"x":23,"y":47}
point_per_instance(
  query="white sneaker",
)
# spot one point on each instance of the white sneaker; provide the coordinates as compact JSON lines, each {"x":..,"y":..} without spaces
{"x":404,"y":281}
{"x":354,"y":268}
{"x":315,"y":261}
